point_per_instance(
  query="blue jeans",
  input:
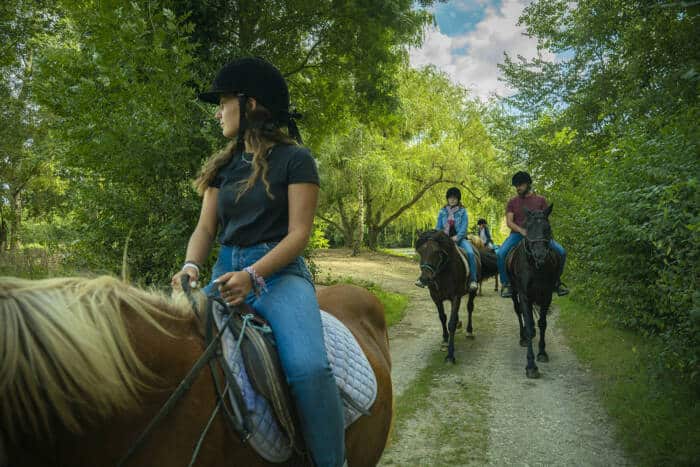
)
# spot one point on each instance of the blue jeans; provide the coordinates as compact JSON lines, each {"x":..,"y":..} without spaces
{"x":291,"y":309}
{"x":467,"y":246}
{"x":512,"y":240}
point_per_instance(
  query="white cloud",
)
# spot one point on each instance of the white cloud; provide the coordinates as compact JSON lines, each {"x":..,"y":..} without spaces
{"x":471,"y":59}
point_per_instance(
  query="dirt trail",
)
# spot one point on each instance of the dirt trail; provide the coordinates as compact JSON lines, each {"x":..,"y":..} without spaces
{"x":483,"y":411}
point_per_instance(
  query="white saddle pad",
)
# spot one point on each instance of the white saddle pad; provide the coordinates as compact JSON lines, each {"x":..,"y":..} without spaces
{"x":353,"y":375}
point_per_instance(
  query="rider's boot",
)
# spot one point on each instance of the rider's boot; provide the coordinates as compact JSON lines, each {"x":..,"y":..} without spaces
{"x":506,"y":291}
{"x":473,"y":285}
{"x":561,"y":289}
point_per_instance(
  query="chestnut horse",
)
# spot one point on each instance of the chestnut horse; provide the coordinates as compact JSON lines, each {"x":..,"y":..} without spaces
{"x":86,"y":364}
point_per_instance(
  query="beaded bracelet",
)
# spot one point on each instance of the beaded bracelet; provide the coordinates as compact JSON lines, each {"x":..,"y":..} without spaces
{"x":257,"y":281}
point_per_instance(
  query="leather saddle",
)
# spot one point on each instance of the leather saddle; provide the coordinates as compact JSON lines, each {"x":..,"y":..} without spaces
{"x":262,"y":364}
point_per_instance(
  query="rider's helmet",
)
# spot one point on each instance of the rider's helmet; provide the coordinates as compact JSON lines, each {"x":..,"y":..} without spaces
{"x":454,"y":192}
{"x":257,"y":78}
{"x":481,"y":222}
{"x":521,"y":177}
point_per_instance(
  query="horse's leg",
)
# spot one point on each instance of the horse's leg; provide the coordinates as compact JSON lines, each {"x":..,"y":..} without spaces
{"x":470,"y":309}
{"x":518,"y":313}
{"x":452,"y":326}
{"x":496,"y":278}
{"x":531,"y":370}
{"x":443,"y":320}
{"x":542,"y":324}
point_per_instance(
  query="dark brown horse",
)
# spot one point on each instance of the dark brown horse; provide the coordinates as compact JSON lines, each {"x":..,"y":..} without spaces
{"x":534,"y":267}
{"x":445,"y":274}
{"x":489,"y":262}
{"x":85,"y":364}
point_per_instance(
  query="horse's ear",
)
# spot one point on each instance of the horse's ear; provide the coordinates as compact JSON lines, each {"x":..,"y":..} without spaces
{"x":548,"y":211}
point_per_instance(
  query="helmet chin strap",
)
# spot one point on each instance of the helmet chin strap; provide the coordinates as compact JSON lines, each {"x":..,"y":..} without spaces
{"x":240,"y":139}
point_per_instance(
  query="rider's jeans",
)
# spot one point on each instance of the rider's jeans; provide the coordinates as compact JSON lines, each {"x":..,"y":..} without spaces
{"x":290,"y":307}
{"x":467,"y":246}
{"x":512,"y":240}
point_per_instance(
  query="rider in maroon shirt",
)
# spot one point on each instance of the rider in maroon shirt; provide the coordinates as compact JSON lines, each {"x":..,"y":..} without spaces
{"x":515,"y":218}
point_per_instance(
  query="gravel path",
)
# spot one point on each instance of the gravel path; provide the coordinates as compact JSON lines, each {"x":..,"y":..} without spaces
{"x":555,"y":420}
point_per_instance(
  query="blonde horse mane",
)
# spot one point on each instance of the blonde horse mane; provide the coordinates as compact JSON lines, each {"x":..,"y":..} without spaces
{"x":476,"y":241}
{"x":65,"y":349}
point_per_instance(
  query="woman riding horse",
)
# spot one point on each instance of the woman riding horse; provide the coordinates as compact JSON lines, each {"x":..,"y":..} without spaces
{"x":262,"y":191}
{"x":454,"y":220}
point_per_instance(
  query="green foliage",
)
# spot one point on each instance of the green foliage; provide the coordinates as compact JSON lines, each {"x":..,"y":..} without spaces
{"x":394,"y":304}
{"x":102,"y":127}
{"x":656,"y":413}
{"x":609,"y":132}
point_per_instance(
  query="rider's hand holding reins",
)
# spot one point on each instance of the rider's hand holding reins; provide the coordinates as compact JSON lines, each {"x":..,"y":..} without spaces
{"x":192,"y":273}
{"x":234,"y":286}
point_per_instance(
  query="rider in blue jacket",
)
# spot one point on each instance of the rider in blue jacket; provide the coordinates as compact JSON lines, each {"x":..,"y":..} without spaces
{"x":453,"y":220}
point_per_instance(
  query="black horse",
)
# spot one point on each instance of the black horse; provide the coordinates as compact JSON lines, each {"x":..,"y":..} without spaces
{"x":445,"y":274}
{"x":533,"y":267}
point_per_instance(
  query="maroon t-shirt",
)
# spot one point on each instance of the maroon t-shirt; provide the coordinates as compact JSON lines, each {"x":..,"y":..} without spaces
{"x":516,"y":205}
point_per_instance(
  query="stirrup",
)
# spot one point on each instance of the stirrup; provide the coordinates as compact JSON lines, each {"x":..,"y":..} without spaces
{"x":506,"y":291}
{"x":562,"y":289}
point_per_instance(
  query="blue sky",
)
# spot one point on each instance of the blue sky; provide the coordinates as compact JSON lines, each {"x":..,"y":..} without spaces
{"x":469,"y":41}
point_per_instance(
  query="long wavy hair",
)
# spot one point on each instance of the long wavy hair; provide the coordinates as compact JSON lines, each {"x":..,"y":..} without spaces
{"x":260,"y":136}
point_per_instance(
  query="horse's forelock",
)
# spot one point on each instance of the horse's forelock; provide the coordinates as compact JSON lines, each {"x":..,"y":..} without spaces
{"x":436,"y":235}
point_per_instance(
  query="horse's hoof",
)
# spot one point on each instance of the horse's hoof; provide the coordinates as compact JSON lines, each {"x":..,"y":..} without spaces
{"x":470,"y":335}
{"x":450,"y":359}
{"x":523,"y":342}
{"x":542,"y":357}
{"x":532,"y":373}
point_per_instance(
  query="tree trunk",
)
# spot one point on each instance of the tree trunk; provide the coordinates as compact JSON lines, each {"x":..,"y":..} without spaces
{"x":15,"y":220}
{"x":359,"y":233}
{"x":373,"y":238}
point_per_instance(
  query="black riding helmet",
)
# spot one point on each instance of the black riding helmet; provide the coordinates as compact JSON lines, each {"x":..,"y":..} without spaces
{"x":257,"y":78}
{"x":481,"y":222}
{"x":521,"y":177}
{"x":454,"y":192}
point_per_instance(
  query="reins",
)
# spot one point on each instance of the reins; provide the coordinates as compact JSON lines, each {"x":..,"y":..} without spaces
{"x":212,"y":352}
{"x":440,"y":266}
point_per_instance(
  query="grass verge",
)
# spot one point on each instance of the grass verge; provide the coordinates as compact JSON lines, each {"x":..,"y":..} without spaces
{"x":656,"y":415}
{"x":441,"y":418}
{"x":394,"y":304}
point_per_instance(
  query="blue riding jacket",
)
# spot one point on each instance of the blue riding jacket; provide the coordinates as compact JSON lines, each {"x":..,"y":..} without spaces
{"x":461,"y":221}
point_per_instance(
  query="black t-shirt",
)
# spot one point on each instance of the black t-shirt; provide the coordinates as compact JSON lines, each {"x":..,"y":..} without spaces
{"x":255,"y":218}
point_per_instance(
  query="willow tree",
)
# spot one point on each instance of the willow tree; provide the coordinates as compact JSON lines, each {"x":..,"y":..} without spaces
{"x":378,"y":172}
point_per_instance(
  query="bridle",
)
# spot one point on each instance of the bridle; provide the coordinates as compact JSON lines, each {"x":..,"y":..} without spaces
{"x":439,"y":267}
{"x":528,"y":250}
{"x":234,"y":415}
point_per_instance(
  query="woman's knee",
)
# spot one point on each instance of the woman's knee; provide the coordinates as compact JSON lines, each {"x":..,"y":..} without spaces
{"x":309,"y":370}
